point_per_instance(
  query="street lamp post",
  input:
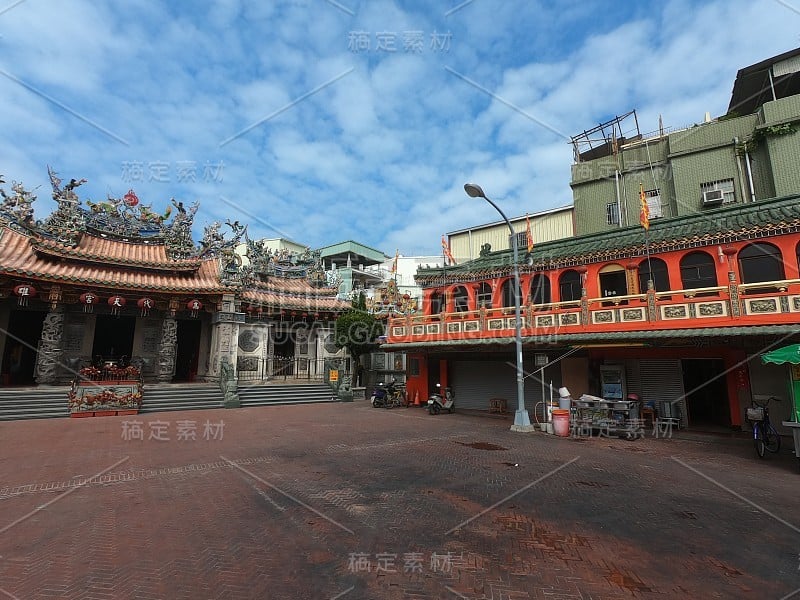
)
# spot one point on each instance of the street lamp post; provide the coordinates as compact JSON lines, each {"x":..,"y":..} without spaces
{"x":522,"y":421}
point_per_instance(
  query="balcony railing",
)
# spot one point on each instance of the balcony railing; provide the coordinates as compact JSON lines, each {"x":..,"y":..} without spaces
{"x":279,"y":368}
{"x":734,"y":305}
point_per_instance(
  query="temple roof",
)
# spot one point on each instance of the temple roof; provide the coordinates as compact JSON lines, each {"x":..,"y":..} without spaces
{"x":308,"y":303}
{"x":719,"y":226}
{"x":294,"y":294}
{"x":110,"y":251}
{"x":19,"y":258}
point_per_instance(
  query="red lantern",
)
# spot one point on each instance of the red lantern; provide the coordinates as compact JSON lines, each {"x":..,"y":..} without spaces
{"x":117,"y":302}
{"x":88,"y":299}
{"x":145,"y":304}
{"x":24,"y":292}
{"x":194,"y":305}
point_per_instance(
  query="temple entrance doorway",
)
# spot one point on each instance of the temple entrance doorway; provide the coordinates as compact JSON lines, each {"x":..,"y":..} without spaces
{"x":113,"y":337}
{"x":283,"y":353}
{"x":187,"y":351}
{"x":19,"y":356}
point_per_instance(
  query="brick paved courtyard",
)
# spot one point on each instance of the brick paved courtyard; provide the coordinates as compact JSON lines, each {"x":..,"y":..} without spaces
{"x":346,"y":501}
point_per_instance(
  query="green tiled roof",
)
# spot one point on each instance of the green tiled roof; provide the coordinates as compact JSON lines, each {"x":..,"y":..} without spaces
{"x":710,"y":227}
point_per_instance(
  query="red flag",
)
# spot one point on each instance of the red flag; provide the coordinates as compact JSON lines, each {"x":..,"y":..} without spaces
{"x":394,"y":263}
{"x":528,"y":234}
{"x":448,"y":256}
{"x":644,"y":210}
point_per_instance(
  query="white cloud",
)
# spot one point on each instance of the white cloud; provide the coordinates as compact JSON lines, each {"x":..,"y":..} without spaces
{"x":381,"y":154}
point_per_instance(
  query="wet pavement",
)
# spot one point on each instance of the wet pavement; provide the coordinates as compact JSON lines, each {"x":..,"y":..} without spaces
{"x":346,"y":501}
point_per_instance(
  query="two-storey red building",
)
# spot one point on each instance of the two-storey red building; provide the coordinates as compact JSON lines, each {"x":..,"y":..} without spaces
{"x":686,"y":324}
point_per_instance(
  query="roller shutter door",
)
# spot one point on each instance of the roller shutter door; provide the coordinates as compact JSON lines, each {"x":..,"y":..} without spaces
{"x":662,"y":380}
{"x":475,"y":382}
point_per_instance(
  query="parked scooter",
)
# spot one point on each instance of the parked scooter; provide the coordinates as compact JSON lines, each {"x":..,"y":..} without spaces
{"x":437,"y":403}
{"x":379,"y":396}
{"x":387,"y":397}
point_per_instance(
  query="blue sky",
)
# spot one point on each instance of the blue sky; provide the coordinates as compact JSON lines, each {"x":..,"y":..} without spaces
{"x":323,"y":121}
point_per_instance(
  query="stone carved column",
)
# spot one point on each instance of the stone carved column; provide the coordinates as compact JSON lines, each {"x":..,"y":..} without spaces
{"x":167,"y":350}
{"x":224,"y":346}
{"x":652,"y":312}
{"x":733,"y":293}
{"x":48,"y":358}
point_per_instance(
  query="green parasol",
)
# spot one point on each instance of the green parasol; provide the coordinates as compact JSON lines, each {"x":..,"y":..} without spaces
{"x":787,"y":354}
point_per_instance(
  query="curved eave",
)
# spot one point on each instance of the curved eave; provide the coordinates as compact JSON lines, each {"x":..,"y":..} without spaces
{"x":63,"y":252}
{"x":285,"y":300}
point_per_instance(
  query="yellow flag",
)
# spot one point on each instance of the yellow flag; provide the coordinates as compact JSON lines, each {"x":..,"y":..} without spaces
{"x":644,"y":210}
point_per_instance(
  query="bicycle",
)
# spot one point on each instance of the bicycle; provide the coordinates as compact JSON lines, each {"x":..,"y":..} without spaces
{"x":397,"y":397}
{"x":765,"y":436}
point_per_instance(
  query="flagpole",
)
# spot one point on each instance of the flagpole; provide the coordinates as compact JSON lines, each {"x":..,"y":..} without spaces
{"x":651,"y":282}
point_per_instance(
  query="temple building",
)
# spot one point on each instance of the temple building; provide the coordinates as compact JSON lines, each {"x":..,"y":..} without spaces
{"x":115,"y":281}
{"x":676,"y":307}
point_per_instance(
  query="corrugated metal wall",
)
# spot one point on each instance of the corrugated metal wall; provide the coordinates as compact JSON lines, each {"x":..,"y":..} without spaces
{"x":475,"y":382}
{"x":662,"y":380}
{"x":544,"y":228}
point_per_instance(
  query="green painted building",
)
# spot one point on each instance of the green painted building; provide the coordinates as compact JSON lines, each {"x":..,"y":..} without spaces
{"x":749,"y":154}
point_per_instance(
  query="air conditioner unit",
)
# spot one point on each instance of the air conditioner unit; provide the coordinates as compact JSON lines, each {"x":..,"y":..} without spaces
{"x":713,"y":196}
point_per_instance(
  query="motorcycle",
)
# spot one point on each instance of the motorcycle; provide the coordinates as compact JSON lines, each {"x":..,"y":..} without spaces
{"x":437,"y":403}
{"x":379,"y":396}
{"x":387,"y":397}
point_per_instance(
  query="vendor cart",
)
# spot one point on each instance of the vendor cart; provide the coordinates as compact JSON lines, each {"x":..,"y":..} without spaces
{"x":607,"y":417}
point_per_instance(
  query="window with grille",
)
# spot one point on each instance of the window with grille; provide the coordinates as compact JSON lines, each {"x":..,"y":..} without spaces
{"x":484,"y":296}
{"x":460,"y":299}
{"x":612,"y":213}
{"x":698,"y":271}
{"x":569,"y":286}
{"x":717,"y":192}
{"x":653,"y":198}
{"x":522,"y":240}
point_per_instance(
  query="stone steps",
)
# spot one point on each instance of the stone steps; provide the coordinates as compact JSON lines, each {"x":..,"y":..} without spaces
{"x":295,"y":393}
{"x":51,"y":402}
{"x":33,"y":403}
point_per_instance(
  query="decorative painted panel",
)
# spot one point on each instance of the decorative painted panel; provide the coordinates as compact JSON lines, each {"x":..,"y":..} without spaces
{"x":454,"y":328}
{"x":247,"y":363}
{"x":794,"y":303}
{"x":569,"y":318}
{"x":545,"y":320}
{"x":675,"y":311}
{"x":711,"y":309}
{"x":762,"y":305}
{"x":510,"y":323}
{"x":432,"y":328}
{"x":602,"y":316}
{"x":418,"y":330}
{"x":632,"y":314}
{"x":472,"y":325}
{"x":495,"y":324}
{"x":398,"y":331}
